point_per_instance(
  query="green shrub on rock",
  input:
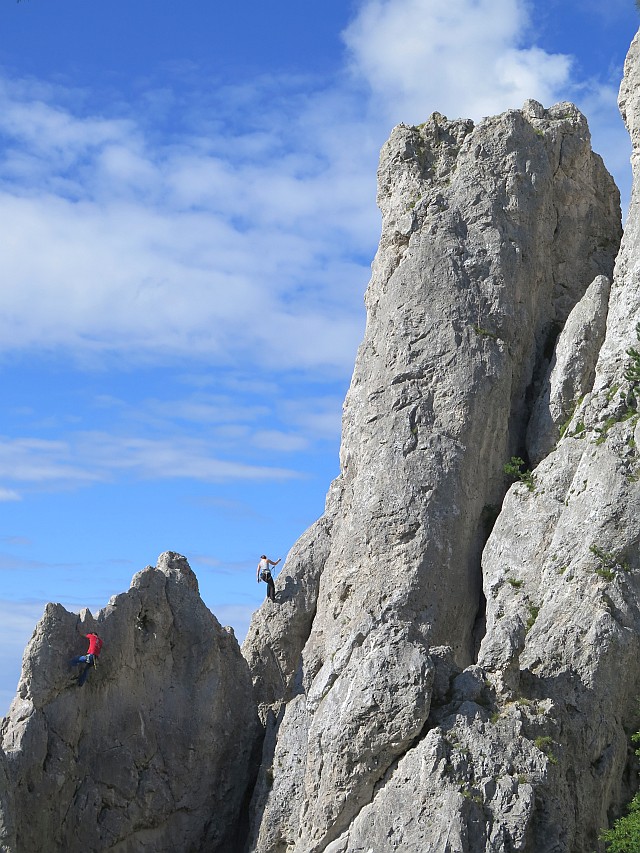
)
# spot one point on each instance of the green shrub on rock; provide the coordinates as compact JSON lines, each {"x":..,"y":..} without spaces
{"x":624,"y":836}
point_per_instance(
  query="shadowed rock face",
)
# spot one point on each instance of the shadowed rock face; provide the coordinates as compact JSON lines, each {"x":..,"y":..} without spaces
{"x":153,"y":752}
{"x":365,"y":672}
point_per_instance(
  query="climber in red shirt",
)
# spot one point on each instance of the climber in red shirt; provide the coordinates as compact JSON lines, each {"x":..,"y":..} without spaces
{"x":93,"y":652}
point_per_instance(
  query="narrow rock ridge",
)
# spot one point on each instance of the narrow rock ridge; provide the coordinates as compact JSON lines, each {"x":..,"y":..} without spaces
{"x":491,"y":235}
{"x":153,"y":753}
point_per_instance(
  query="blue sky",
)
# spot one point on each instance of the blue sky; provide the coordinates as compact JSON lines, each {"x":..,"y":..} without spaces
{"x":187,"y":206}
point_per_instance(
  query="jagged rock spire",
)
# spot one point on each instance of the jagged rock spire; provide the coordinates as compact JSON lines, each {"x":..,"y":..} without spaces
{"x":491,"y":234}
{"x":153,"y":752}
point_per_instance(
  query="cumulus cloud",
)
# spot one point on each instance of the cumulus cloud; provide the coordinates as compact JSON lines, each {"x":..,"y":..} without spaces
{"x":253,"y":219}
{"x":196,"y":245}
{"x":241,"y":236}
{"x":465,"y":58}
{"x":473,"y":58}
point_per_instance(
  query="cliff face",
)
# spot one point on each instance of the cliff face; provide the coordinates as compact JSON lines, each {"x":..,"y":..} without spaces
{"x":452,"y":665}
{"x":486,"y":313}
{"x":153,"y":752}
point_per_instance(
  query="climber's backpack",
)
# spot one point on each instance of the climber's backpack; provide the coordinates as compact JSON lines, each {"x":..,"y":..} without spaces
{"x":99,"y":642}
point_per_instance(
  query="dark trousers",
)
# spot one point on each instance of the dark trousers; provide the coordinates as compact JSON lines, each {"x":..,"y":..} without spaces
{"x":271,"y":587}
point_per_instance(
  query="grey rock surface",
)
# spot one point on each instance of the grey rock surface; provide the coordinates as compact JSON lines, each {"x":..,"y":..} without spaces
{"x":451,"y":665}
{"x":491,"y":236}
{"x":571,"y":372}
{"x":153,"y":753}
{"x":564,"y":561}
{"x":444,"y":796}
{"x":7,"y":811}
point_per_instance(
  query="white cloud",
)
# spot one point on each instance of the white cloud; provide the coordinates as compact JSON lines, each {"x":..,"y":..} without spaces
{"x":211,"y":409}
{"x":465,"y":58}
{"x":472,"y":58}
{"x":237,"y":431}
{"x":245,"y":236}
{"x":206,"y":247}
{"x":316,"y":418}
{"x":271,"y":439}
{"x":87,"y":457}
{"x":49,"y":131}
{"x":178,"y":456}
{"x":32,"y":460}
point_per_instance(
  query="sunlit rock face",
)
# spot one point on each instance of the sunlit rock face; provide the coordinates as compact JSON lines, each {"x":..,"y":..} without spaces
{"x":153,"y":752}
{"x":452,"y":663}
{"x":497,"y":249}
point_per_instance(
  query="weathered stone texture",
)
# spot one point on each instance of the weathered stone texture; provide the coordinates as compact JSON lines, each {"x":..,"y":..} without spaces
{"x":153,"y":752}
{"x":564,"y":561}
{"x":491,"y":235}
{"x":571,"y":372}
{"x":450,"y":666}
{"x":7,"y":810}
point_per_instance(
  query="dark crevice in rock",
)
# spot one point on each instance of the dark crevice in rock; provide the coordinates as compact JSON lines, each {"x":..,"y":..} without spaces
{"x":257,"y":793}
{"x":541,"y":366}
{"x":239,"y":835}
{"x":480,"y":626}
